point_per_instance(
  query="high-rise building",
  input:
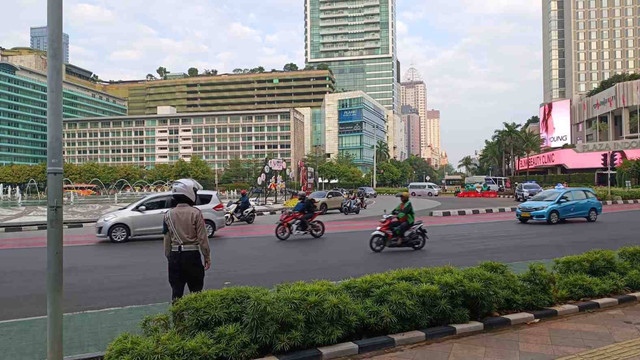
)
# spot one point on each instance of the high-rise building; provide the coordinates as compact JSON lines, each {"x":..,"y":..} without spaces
{"x":414,"y":95}
{"x":356,"y":39}
{"x":433,"y":129}
{"x":414,"y":130}
{"x":586,"y":42}
{"x":23,"y":112}
{"x":39,"y":36}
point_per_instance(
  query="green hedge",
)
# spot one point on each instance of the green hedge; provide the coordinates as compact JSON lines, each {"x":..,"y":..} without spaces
{"x":616,"y":193}
{"x":248,"y":322}
{"x":392,"y":191}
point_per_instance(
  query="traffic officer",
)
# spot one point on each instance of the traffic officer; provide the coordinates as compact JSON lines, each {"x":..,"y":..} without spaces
{"x":185,"y":237}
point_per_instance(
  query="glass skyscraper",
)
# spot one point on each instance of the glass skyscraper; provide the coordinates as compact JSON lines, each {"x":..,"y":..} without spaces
{"x":356,"y":39}
{"x":39,"y":38}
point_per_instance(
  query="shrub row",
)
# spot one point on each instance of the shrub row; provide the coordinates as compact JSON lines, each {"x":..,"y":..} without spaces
{"x":618,"y":193}
{"x":390,"y":191}
{"x":554,"y":179}
{"x":246,"y":322}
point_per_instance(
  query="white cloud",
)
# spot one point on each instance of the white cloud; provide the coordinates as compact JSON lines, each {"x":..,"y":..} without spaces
{"x":239,"y":31}
{"x":125,"y":55}
{"x":90,"y":14}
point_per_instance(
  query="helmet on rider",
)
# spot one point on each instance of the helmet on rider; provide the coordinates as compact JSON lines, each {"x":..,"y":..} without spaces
{"x":243,"y":192}
{"x":302,"y":195}
{"x":185,"y":190}
{"x":404,"y":197}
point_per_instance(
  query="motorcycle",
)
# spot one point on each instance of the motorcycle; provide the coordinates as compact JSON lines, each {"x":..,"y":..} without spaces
{"x":351,"y":206}
{"x":415,"y":238}
{"x":290,"y":222}
{"x":248,"y":216}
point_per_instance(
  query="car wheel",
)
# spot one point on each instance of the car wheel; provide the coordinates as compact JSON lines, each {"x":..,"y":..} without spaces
{"x":119,"y":233}
{"x":413,"y":194}
{"x":524,"y":221}
{"x":211,"y":228}
{"x":323,"y":209}
{"x":593,"y":215}
{"x":554,"y":218}
{"x":430,"y":194}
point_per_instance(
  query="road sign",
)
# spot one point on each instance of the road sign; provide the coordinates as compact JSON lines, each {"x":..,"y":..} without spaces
{"x":267,"y":169}
{"x":428,"y":178}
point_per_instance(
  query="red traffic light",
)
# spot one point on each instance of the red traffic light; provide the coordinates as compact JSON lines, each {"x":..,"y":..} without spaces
{"x":605,"y":160}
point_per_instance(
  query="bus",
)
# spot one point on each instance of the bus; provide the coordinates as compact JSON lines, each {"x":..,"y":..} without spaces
{"x":452,"y":183}
{"x":81,"y":189}
{"x":480,"y":180}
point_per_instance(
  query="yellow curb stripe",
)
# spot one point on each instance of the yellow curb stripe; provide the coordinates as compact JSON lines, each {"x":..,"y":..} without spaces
{"x":621,"y":351}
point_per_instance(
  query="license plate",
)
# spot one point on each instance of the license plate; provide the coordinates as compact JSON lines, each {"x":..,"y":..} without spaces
{"x":525,"y":214}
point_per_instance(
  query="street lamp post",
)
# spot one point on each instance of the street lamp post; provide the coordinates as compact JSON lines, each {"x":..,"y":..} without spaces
{"x":54,"y":180}
{"x":375,"y":155}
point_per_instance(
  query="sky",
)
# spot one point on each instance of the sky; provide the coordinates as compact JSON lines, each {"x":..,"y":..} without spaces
{"x":481,"y":60}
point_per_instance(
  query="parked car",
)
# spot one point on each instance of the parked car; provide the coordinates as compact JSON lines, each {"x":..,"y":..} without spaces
{"x":369,"y":192}
{"x":526,"y":191}
{"x":328,"y":200}
{"x":556,"y":205}
{"x":424,"y":189}
{"x":145,"y":217}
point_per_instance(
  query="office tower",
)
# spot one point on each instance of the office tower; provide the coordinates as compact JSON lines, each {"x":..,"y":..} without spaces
{"x":356,"y":39}
{"x":586,"y":42}
{"x":433,"y":128}
{"x":39,"y":41}
{"x":414,"y":95}
{"x":414,"y":130}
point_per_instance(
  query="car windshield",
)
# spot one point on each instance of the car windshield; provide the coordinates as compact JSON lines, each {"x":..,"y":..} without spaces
{"x":318,"y":195}
{"x":532,"y":187}
{"x":549,"y":195}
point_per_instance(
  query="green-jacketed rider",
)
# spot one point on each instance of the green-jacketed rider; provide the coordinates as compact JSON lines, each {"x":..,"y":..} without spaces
{"x":406,"y":217}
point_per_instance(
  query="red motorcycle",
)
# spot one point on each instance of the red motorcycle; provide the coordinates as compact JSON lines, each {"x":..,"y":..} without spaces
{"x":415,"y":238}
{"x":290,"y":222}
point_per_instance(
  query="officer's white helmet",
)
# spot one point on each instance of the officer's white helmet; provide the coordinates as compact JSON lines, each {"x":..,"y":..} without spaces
{"x":186,"y":187}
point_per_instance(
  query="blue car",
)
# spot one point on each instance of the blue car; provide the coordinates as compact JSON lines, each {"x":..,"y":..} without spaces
{"x":556,"y":205}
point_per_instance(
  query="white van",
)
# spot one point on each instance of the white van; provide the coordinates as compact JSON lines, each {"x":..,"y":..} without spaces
{"x":423,"y":189}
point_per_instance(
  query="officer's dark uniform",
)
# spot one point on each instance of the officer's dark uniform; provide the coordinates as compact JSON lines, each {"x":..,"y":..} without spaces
{"x":185,"y":236}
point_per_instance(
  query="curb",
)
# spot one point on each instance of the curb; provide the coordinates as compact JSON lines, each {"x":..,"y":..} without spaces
{"x":620,"y":202}
{"x":20,"y":228}
{"x":413,"y":337}
{"x":465,"y":212}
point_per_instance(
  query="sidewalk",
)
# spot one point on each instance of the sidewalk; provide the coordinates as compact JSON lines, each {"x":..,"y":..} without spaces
{"x":607,"y":334}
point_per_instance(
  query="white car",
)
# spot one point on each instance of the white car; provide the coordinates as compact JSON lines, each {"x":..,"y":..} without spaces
{"x":145,"y":217}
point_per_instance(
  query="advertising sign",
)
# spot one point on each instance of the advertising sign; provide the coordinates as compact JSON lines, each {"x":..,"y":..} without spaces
{"x":555,"y":124}
{"x":569,"y":159}
{"x":277,"y":164}
{"x":351,"y":127}
{"x":350,"y":115}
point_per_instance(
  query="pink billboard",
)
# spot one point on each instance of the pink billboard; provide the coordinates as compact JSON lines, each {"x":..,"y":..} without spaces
{"x":555,"y":124}
{"x":570,"y":159}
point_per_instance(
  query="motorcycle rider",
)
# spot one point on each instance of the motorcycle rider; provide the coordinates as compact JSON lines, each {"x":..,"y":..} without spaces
{"x":185,"y":237}
{"x":405,"y":217}
{"x":243,"y":205}
{"x":305,"y":206}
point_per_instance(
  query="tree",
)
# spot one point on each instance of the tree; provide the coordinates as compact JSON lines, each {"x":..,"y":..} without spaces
{"x":610,"y":82}
{"x":238,"y":71}
{"x":150,"y":77}
{"x":160,"y":172}
{"x":162,"y":72}
{"x":131,"y":173}
{"x":309,"y":67}
{"x":95,"y":78}
{"x":468,"y":164}
{"x":421,"y":168}
{"x":388,"y":175}
{"x":530,"y":143}
{"x":210,"y":72}
{"x":257,"y":70}
{"x":322,"y":66}
{"x":290,"y":67}
{"x":193,"y":72}
{"x":510,"y":136}
{"x":382,"y":152}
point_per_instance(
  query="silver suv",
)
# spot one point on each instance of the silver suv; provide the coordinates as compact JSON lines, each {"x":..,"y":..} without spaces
{"x":144,"y":217}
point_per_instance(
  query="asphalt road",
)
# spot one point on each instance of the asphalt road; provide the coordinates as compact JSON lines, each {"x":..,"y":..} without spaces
{"x":104,"y":275}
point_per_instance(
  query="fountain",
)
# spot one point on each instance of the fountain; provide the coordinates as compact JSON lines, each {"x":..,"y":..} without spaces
{"x":34,"y":183}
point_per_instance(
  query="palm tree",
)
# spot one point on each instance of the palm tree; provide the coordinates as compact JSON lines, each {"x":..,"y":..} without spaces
{"x":467,"y":163}
{"x":530,"y":144}
{"x":510,"y":136}
{"x":491,"y":156}
{"x":382,"y":151}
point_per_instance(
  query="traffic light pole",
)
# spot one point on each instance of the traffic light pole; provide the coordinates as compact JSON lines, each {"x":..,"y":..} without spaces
{"x":609,"y":176}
